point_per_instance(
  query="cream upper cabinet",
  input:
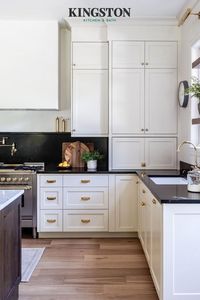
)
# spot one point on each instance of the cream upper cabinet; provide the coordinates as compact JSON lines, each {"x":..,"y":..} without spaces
{"x":29,"y":65}
{"x":151,"y":153}
{"x":126,"y":203}
{"x":90,"y":55}
{"x":161,"y":55}
{"x":127,"y":101}
{"x":127,"y":54}
{"x":160,"y":101}
{"x":90,"y":102}
{"x":89,"y":89}
{"x":133,"y":54}
{"x":144,"y":99}
{"x":127,"y":153}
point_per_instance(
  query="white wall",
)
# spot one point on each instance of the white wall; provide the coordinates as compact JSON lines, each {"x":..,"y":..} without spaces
{"x":189,"y":35}
{"x":43,"y":120}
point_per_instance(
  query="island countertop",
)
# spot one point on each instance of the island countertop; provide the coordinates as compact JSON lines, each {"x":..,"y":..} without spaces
{"x":8,"y":196}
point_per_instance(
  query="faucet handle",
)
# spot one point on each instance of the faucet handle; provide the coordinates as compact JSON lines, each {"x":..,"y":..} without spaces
{"x":3,"y":141}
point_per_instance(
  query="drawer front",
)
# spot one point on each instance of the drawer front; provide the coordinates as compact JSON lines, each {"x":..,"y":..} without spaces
{"x":51,"y":198}
{"x":85,"y":180}
{"x":50,"y":180}
{"x":90,"y":220}
{"x":93,"y":198}
{"x":51,"y":221}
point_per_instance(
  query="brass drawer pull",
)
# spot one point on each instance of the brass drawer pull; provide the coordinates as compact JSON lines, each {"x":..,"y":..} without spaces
{"x":154,"y":201}
{"x":85,"y":181}
{"x":143,"y":191}
{"x":51,"y":181}
{"x":85,"y":221}
{"x":143,"y":204}
{"x":85,"y":198}
{"x":51,"y":221}
{"x":51,"y":198}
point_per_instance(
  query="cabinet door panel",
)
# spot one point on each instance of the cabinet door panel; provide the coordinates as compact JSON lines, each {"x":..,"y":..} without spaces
{"x":160,"y":153}
{"x":128,"y":54}
{"x":156,"y":242}
{"x":126,"y":203}
{"x":127,"y":153}
{"x":161,"y":101}
{"x":128,"y":101}
{"x":90,"y":55}
{"x":161,"y":55}
{"x":90,"y":102}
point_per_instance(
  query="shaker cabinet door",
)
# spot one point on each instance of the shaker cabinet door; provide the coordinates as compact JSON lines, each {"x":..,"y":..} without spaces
{"x":128,"y":101}
{"x":90,"y":102}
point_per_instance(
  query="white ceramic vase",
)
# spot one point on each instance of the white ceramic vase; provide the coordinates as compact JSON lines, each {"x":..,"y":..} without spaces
{"x":92,"y":164}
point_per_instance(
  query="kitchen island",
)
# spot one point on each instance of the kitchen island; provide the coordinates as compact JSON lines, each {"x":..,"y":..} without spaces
{"x":168,"y":228}
{"x":10,"y":243}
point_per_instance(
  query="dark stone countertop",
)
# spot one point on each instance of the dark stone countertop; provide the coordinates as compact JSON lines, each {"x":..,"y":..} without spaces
{"x":175,"y":194}
{"x":164,"y":193}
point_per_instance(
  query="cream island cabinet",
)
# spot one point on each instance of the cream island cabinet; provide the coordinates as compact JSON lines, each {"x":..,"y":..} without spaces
{"x":168,"y":234}
{"x":87,"y":203}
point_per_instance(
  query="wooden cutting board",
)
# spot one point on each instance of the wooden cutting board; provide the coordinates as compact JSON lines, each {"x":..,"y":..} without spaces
{"x":72,"y":152}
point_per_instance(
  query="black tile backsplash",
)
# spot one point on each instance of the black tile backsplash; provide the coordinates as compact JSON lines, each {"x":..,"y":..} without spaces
{"x":47,"y":147}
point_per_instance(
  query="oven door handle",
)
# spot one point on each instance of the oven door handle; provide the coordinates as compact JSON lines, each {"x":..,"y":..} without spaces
{"x":16,"y":187}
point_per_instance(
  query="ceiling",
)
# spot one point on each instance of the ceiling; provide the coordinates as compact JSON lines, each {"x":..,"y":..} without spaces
{"x":58,"y":9}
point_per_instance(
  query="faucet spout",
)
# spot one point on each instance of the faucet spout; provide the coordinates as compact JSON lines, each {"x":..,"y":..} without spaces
{"x":195,"y":149}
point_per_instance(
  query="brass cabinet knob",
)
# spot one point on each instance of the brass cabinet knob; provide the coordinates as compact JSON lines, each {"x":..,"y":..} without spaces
{"x":51,"y":221}
{"x":143,"y":164}
{"x":85,"y":198}
{"x":154,"y":201}
{"x":143,"y":191}
{"x":51,"y":198}
{"x":143,"y":204}
{"x":85,"y":181}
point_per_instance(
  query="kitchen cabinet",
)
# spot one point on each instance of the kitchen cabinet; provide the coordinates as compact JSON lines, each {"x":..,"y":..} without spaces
{"x":29,"y":59}
{"x":90,"y":89}
{"x":98,"y":58}
{"x":150,"y":232}
{"x":144,"y":89}
{"x":126,"y":203}
{"x":151,"y":153}
{"x":148,"y":54}
{"x":10,"y":250}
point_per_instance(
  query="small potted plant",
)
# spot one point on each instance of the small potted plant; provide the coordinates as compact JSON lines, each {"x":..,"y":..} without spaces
{"x":194,"y":90}
{"x":91,"y":157}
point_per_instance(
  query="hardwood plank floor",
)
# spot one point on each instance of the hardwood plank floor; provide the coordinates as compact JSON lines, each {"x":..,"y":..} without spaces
{"x":92,"y":269}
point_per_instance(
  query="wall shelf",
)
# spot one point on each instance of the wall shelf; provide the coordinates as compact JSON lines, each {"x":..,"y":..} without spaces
{"x":196,"y":64}
{"x":196,"y":121}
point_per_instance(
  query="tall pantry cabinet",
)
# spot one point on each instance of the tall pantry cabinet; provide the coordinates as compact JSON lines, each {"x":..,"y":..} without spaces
{"x":89,"y":88}
{"x":143,"y":104}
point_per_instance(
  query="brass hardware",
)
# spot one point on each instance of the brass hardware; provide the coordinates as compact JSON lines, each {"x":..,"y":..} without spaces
{"x":137,"y":182}
{"x":27,"y":187}
{"x":85,"y":221}
{"x":143,"y":164}
{"x":74,"y":65}
{"x":63,"y":125}
{"x":143,"y":191}
{"x":73,"y":130}
{"x":57,"y":124}
{"x":146,"y":129}
{"x":51,"y":221}
{"x":143,"y":204}
{"x":154,"y":201}
{"x":85,"y":198}
{"x":51,"y":198}
{"x":142,"y":129}
{"x":147,"y":64}
{"x":51,"y":181}
{"x":85,"y":181}
{"x":142,"y":64}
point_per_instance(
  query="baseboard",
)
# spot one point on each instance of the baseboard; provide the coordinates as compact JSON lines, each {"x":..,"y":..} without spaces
{"x":87,"y":235}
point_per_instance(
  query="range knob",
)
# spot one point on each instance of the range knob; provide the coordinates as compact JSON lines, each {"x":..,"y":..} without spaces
{"x":8,"y":179}
{"x":26,"y":179}
{"x":14,"y":179}
{"x":20,"y":179}
{"x":3,"y":179}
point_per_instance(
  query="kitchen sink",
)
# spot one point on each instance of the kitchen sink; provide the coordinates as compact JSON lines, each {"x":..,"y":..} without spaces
{"x":169,"y":180}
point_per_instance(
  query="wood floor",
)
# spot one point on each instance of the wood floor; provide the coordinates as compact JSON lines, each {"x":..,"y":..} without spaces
{"x":89,"y":269}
